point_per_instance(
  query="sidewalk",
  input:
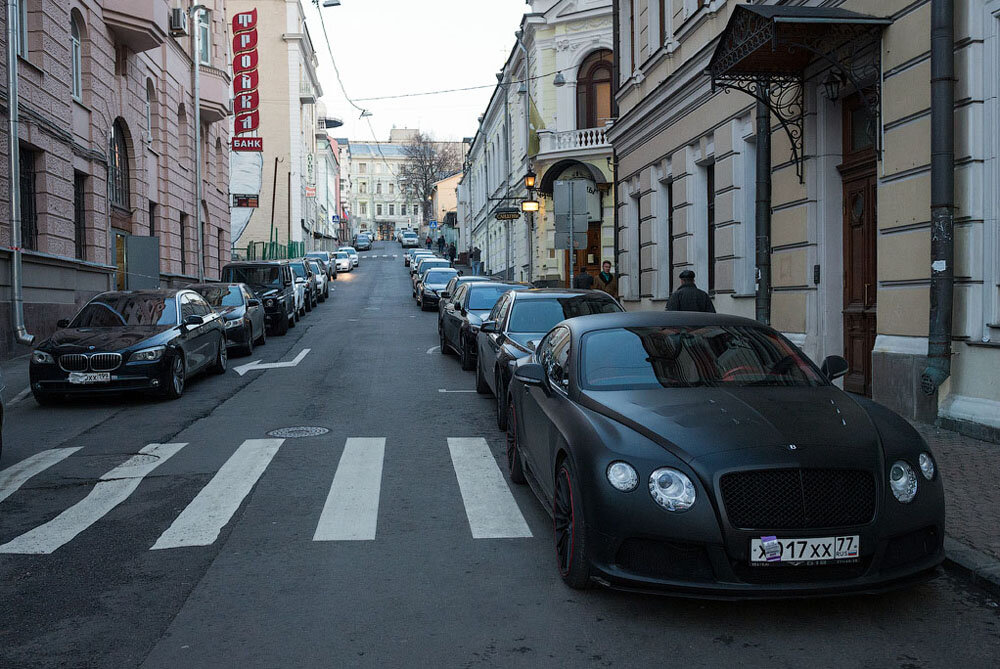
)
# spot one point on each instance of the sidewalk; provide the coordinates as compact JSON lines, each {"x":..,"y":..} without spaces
{"x":970,"y":469}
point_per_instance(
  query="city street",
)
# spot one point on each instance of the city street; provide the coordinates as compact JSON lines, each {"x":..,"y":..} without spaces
{"x":180,"y":533}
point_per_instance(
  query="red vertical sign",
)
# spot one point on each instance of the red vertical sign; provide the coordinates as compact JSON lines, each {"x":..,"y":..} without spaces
{"x":246,"y":97}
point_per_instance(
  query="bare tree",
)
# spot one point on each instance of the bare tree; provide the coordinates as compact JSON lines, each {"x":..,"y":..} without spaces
{"x":426,"y":162}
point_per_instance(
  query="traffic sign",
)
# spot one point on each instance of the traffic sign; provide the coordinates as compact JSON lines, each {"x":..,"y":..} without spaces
{"x":432,"y":224}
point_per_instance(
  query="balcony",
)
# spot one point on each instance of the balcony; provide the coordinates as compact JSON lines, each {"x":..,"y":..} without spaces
{"x":139,"y":24}
{"x":214,"y":94}
{"x":567,"y":143}
{"x":307,"y":94}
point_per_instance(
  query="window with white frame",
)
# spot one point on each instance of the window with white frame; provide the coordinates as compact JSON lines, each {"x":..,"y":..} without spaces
{"x":204,"y":38}
{"x":378,"y":209}
{"x":392,"y":210}
{"x":75,"y":57}
{"x":150,"y":101}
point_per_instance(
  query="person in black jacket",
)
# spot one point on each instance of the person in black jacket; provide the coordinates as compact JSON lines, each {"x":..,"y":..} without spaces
{"x":583,"y":279}
{"x":688,"y":297}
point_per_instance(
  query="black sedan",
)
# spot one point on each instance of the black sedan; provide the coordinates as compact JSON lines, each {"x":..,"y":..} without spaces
{"x":448,"y":294}
{"x":706,"y":455}
{"x":242,"y":313}
{"x":432,"y":282}
{"x":463,"y":315}
{"x":148,"y":340}
{"x":516,"y":324}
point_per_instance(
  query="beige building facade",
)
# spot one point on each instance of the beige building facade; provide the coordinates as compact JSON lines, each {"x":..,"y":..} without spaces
{"x":106,"y":148}
{"x":850,"y":181}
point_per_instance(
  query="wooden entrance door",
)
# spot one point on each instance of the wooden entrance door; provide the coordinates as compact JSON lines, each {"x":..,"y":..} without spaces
{"x":860,"y":266}
{"x":590,"y":257}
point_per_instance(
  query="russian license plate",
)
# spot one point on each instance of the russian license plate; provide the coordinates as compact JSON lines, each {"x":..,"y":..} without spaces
{"x":771,"y":550}
{"x":89,"y":377}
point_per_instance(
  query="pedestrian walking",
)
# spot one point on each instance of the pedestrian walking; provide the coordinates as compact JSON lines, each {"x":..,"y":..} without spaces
{"x":476,"y":258}
{"x":583,"y":280}
{"x":428,"y":241}
{"x":607,"y":281}
{"x":452,"y":252}
{"x":441,"y":243}
{"x":688,"y":297}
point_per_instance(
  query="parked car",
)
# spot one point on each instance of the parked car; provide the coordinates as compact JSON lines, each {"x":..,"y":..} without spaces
{"x":328,"y":262}
{"x":304,"y":274}
{"x":409,"y":240}
{"x":411,"y":255}
{"x":448,"y":294}
{"x":363,"y":242}
{"x":145,"y":340}
{"x":242,"y":313}
{"x":462,"y":316}
{"x":422,"y":266}
{"x":516,"y":324}
{"x":319,"y":276}
{"x":343,"y":261}
{"x":273,"y":283}
{"x":355,"y":260}
{"x":705,"y":454}
{"x":432,"y":281}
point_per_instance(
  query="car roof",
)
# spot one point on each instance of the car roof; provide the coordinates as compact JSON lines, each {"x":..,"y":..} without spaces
{"x":157,"y":293}
{"x":629,"y":319}
{"x":196,"y":286}
{"x":537,"y":293}
{"x":245,"y":263}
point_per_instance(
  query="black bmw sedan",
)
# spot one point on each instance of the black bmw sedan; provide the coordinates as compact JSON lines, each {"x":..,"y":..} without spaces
{"x":242,"y":313}
{"x":147,"y":340}
{"x":516,"y":324}
{"x":706,"y":455}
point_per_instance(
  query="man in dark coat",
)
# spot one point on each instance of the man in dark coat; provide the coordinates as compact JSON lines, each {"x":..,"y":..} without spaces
{"x":452,"y":252}
{"x":441,"y":244}
{"x":688,"y":297}
{"x":583,"y":280}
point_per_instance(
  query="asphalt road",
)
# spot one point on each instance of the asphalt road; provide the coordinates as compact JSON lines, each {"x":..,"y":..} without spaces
{"x":378,"y":543}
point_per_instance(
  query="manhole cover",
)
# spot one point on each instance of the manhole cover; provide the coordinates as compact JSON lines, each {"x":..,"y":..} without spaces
{"x":297,"y":432}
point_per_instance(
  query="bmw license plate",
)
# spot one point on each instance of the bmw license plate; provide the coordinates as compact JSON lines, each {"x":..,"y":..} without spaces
{"x":89,"y":377}
{"x":772,"y":550}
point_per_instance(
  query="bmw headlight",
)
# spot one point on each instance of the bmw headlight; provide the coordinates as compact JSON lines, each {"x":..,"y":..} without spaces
{"x":147,"y":354}
{"x":671,"y":489}
{"x":269,"y":302}
{"x":622,"y":476}
{"x":903,"y":481}
{"x":235,"y":323}
{"x":927,"y":467}
{"x":42,"y":358}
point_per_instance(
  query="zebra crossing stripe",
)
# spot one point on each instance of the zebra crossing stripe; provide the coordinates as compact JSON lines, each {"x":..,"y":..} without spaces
{"x":201,"y":521}
{"x":491,"y":508}
{"x":351,"y":509}
{"x":112,"y":489}
{"x":18,"y":474}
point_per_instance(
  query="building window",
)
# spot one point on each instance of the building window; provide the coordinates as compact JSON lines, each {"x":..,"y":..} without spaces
{"x":363,"y":208}
{"x":631,"y":36}
{"x":378,"y":188}
{"x":75,"y":57}
{"x":392,"y":188}
{"x":392,"y":210}
{"x":150,"y":101}
{"x":378,"y":210}
{"x":363,"y":188}
{"x":79,"y":214}
{"x":221,"y":247}
{"x":362,"y":168}
{"x":118,"y":167}
{"x":182,"y":137}
{"x":710,"y":199}
{"x":29,"y":210}
{"x":204,"y":38}
{"x":22,"y":30}
{"x":184,"y":225}
{"x":593,"y":90}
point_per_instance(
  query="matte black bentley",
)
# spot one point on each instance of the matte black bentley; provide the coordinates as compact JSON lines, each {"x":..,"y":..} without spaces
{"x":705,"y":454}
{"x":146,"y":340}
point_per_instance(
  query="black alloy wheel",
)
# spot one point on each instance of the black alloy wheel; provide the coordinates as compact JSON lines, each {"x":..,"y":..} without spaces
{"x":481,"y":387}
{"x":570,"y":529}
{"x":514,"y":465}
{"x":465,"y":355}
{"x":501,"y":406}
{"x":175,"y":383}
{"x":221,"y":357}
{"x":444,"y":341}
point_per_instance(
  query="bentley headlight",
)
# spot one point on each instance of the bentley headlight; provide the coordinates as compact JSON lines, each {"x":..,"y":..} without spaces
{"x":927,"y":467}
{"x":903,"y":481}
{"x":671,"y":489}
{"x":147,"y":354}
{"x":42,"y":358}
{"x":622,"y":476}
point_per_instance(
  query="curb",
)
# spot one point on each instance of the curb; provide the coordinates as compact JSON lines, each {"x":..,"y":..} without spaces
{"x":982,"y":569}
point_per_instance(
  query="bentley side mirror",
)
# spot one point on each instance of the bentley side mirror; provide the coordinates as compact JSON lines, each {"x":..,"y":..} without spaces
{"x":530,"y":374}
{"x":488,"y":327}
{"x":834,"y":367}
{"x":62,"y":323}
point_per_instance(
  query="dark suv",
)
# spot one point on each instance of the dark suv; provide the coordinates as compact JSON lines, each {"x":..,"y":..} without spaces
{"x":271,"y":282}
{"x":362,"y":242}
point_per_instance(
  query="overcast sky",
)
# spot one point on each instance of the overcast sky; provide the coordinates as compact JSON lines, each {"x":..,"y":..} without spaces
{"x":389,"y":47}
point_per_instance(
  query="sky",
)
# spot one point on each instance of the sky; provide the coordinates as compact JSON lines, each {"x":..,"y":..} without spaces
{"x":389,"y":47}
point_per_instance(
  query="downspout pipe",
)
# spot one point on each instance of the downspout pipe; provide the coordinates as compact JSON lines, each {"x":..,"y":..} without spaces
{"x":615,"y":79}
{"x":762,"y":208}
{"x":196,"y":46}
{"x":21,"y":335}
{"x":942,"y":196}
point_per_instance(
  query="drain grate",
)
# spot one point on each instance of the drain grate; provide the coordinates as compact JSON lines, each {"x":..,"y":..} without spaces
{"x":297,"y":432}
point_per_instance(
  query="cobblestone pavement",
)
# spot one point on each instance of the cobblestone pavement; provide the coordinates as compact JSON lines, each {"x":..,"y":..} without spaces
{"x":971,"y":472}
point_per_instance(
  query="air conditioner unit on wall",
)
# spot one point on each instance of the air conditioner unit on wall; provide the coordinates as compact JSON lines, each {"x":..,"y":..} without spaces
{"x":178,"y":22}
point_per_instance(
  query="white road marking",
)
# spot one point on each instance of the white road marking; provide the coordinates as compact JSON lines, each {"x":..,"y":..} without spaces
{"x":442,"y":390}
{"x":491,"y":508}
{"x":112,"y":489}
{"x":432,"y":349}
{"x":351,"y":509}
{"x":257,"y":364}
{"x":201,"y":521}
{"x":17,"y":474}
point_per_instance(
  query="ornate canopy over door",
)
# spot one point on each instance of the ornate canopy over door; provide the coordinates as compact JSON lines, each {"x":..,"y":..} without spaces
{"x":765,"y":50}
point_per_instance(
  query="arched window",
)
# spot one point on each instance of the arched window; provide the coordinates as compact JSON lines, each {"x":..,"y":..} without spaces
{"x":593,"y":90}
{"x":76,"y":56}
{"x":150,"y":112}
{"x":118,"y":169}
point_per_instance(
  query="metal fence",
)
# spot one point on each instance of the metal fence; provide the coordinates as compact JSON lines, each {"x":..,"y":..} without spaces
{"x":275,"y":250}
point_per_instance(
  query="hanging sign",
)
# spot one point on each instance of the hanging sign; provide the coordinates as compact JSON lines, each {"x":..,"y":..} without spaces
{"x":246,"y":97}
{"x":508,"y":214}
{"x":248,"y":143}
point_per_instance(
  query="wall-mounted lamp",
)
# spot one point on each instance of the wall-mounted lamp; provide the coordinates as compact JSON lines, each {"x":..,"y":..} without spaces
{"x":529,"y":179}
{"x":559,"y":80}
{"x":529,"y":205}
{"x":832,"y":85}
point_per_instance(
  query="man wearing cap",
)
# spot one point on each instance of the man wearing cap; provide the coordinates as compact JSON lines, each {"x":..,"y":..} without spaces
{"x":688,"y":297}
